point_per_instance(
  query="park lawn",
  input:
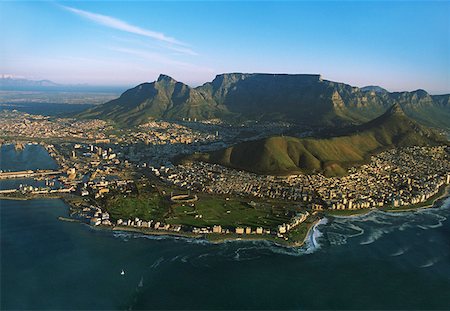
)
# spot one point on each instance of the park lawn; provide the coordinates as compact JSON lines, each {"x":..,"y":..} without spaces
{"x":148,"y":204}
{"x":298,"y":234}
{"x":227,"y":213}
{"x":148,"y":207}
{"x":348,"y":212}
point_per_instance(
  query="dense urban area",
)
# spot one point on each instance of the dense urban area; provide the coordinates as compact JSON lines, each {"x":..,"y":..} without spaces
{"x":126,"y":179}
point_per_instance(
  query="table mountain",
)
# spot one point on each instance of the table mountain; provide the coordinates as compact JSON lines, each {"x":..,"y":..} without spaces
{"x":298,"y":98}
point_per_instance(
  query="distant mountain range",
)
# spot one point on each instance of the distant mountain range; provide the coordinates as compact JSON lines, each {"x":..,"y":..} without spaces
{"x":18,"y":83}
{"x":331,"y":156}
{"x":8,"y":83}
{"x":298,"y":98}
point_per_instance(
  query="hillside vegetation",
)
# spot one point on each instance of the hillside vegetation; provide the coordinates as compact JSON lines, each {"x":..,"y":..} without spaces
{"x":331,"y":156}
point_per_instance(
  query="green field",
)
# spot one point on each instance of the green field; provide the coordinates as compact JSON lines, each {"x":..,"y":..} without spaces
{"x":298,"y":234}
{"x":347,"y":212}
{"x":147,"y":204}
{"x":227,"y":213}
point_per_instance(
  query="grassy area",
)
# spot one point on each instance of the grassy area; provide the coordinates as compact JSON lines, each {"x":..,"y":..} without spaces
{"x":149,"y":202}
{"x":347,"y":212}
{"x":146,"y":204}
{"x":129,"y":208}
{"x":227,"y":213}
{"x":298,"y":234}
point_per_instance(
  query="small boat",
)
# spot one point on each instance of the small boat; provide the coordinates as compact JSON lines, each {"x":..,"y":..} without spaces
{"x":122,"y":273}
{"x":141,"y":282}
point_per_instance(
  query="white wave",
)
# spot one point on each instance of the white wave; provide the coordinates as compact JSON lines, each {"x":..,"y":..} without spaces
{"x":354,"y":217}
{"x":289,"y":251}
{"x":175,"y":258}
{"x":203,"y":255}
{"x":157,"y":262}
{"x":273,"y":248}
{"x":440,"y":224}
{"x":244,"y":251}
{"x":184,"y":259}
{"x":125,"y":235}
{"x":237,"y":256}
{"x":400,"y":252}
{"x":375,"y":217}
{"x":375,"y":235}
{"x":312,"y":240}
{"x":339,"y":233}
{"x":359,"y":231}
{"x":430,"y":263}
{"x":404,"y":226}
{"x":336,"y":238}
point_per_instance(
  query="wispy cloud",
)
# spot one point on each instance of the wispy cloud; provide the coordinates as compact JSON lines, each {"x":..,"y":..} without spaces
{"x":118,"y":24}
{"x":182,"y":50}
{"x":160,"y":58}
{"x":156,"y":46}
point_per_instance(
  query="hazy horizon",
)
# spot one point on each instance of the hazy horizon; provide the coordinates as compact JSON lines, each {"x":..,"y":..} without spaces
{"x":400,"y":46}
{"x":128,"y":86}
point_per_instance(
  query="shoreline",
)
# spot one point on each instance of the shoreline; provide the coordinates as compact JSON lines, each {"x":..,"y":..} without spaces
{"x":203,"y":237}
{"x":311,"y":231}
{"x":443,"y":195}
{"x":230,"y":237}
{"x":416,"y":207}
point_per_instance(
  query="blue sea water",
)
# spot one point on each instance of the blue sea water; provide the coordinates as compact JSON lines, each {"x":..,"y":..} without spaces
{"x":376,"y":261}
{"x":373,"y":261}
{"x":32,"y":157}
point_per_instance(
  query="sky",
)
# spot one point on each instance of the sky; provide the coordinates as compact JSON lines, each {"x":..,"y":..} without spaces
{"x":399,"y":45}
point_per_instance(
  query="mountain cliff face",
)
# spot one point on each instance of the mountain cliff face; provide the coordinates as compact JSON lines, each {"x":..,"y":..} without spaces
{"x":297,"y":98}
{"x":281,"y":155}
{"x":164,"y":98}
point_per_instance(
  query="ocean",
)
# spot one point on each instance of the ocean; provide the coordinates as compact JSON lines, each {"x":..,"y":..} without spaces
{"x":374,"y":261}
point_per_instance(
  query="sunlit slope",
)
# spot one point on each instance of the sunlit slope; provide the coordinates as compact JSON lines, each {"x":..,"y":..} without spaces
{"x":331,"y":156}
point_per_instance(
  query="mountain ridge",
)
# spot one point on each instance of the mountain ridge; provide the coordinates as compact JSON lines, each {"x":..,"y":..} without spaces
{"x":281,"y":155}
{"x":298,"y":98}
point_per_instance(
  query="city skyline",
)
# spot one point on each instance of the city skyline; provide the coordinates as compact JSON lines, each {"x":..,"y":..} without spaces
{"x":367,"y":43}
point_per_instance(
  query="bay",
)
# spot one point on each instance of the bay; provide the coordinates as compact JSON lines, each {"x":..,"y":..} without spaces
{"x":374,"y":261}
{"x":32,"y":157}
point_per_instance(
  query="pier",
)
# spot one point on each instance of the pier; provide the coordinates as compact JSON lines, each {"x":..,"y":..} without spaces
{"x":28,"y":173}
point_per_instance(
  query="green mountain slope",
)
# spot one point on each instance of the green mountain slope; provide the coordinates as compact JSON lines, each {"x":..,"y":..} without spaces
{"x":164,"y":98}
{"x":331,"y":156}
{"x":298,"y":98}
